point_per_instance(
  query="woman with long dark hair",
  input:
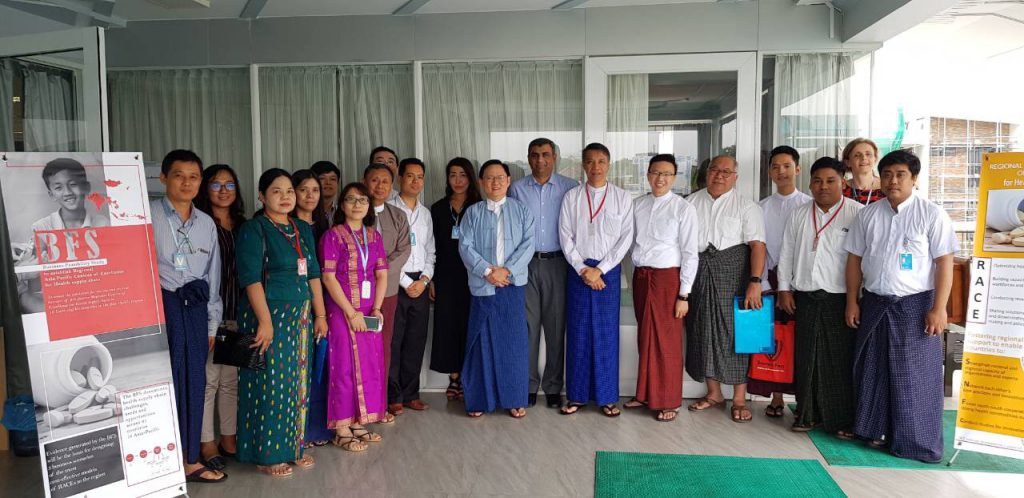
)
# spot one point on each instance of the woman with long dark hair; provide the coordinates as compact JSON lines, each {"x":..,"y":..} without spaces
{"x":220,"y":196}
{"x":278,"y":268}
{"x":307,"y":209}
{"x":449,"y":288}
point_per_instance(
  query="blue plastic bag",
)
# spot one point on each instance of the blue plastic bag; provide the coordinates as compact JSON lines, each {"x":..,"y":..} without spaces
{"x":755,"y":329}
{"x":19,"y":414}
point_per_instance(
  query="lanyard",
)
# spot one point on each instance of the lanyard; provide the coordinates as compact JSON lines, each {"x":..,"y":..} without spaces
{"x":814,"y":218}
{"x":362,"y":248}
{"x":590,"y":207}
{"x":174,"y":231}
{"x":456,"y":217}
{"x":295,"y":231}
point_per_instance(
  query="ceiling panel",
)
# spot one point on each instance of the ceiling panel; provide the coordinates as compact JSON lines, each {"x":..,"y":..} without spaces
{"x":146,"y":10}
{"x":455,"y":6}
{"x":290,"y":8}
{"x":632,"y":3}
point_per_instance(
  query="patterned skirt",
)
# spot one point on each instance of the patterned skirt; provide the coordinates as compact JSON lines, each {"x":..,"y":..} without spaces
{"x":272,"y":404}
{"x":710,"y":326}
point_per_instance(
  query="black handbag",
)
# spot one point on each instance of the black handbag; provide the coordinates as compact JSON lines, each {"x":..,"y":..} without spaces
{"x":234,"y":348}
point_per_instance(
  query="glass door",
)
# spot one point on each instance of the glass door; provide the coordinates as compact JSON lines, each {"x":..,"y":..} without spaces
{"x":693,"y":106}
{"x":52,"y":92}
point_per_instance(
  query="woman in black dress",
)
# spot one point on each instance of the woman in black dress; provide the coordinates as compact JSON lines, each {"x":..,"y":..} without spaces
{"x":449,"y":288}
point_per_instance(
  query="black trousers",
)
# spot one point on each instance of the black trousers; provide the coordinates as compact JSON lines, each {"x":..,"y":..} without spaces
{"x":407,"y":346}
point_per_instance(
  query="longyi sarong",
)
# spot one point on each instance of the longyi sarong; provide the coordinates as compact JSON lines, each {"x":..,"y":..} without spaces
{"x":187,"y":337}
{"x":824,"y":361}
{"x":592,"y":338}
{"x":659,"y":380}
{"x":897,"y":370}
{"x":495,"y":373}
{"x":710,"y":329}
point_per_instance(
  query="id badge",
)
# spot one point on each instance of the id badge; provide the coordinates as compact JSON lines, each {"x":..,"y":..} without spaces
{"x":412,"y":239}
{"x":456,"y":232}
{"x":180,"y":262}
{"x":906,"y":261}
{"x":591,"y":229}
{"x":303,"y":268}
{"x":364,"y":292}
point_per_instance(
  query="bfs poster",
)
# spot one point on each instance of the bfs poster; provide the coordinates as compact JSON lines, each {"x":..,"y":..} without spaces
{"x":89,"y":293}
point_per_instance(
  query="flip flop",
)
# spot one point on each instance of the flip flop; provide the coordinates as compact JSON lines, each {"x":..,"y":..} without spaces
{"x":711,"y":403}
{"x":305,"y":462}
{"x":269,"y":470}
{"x":197,"y":476}
{"x":666,"y":415}
{"x":515,"y":413}
{"x":475,"y":414}
{"x":571,"y":408}
{"x":633,"y":404}
{"x":775,"y":411}
{"x":737,"y":414}
{"x":220,"y":448}
{"x":611,"y":411}
{"x":217,"y":462}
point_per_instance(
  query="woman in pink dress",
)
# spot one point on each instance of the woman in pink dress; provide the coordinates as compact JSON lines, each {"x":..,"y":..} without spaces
{"x":355,"y":276}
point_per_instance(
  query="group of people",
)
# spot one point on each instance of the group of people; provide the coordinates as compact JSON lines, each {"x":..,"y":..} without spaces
{"x":336,"y":284}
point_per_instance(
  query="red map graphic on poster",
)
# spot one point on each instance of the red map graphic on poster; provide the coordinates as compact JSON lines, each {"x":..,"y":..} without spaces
{"x":117,"y":295}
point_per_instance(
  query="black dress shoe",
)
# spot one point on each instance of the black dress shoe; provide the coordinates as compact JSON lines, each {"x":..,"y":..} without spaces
{"x":532,"y":399}
{"x":554,"y":400}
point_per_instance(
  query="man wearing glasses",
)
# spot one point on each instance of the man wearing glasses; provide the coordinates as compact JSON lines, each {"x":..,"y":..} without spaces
{"x":188,"y":259}
{"x":665,"y":257}
{"x":732,"y":255}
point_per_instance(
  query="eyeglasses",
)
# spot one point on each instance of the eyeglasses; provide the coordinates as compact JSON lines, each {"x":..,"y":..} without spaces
{"x":494,"y":179}
{"x":720,"y":172}
{"x":356,"y":201}
{"x":661,"y":174}
{"x":216,"y":187}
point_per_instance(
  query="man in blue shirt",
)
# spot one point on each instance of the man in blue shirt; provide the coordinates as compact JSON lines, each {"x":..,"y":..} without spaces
{"x":188,"y":260}
{"x":496,"y":246}
{"x":542,"y":193}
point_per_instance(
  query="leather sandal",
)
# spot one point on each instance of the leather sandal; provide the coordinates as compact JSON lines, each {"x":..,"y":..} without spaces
{"x":571,"y":408}
{"x":737,"y":414}
{"x":666,"y":415}
{"x":708,"y":404}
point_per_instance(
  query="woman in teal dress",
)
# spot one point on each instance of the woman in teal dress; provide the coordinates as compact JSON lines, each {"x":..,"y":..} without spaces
{"x":277,"y":267}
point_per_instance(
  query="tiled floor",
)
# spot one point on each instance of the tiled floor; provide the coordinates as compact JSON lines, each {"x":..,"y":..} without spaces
{"x":441,"y":452}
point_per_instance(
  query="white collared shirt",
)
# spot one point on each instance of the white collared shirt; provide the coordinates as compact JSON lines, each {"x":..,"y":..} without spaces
{"x":728,"y":221}
{"x":776,"y":209}
{"x":880,"y":236}
{"x":804,"y":268}
{"x":666,"y":236}
{"x":499,"y":243}
{"x":612,"y":226}
{"x":421,"y":229}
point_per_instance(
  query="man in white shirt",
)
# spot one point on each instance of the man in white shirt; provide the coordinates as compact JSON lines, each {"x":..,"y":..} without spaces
{"x":784,"y":168}
{"x":902,"y":250}
{"x":732,"y":254}
{"x":665,"y":257}
{"x":413,"y":313}
{"x":595,"y":228}
{"x":812,"y":286}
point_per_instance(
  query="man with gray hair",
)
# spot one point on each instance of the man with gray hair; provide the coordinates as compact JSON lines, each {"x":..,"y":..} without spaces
{"x":731,"y":243}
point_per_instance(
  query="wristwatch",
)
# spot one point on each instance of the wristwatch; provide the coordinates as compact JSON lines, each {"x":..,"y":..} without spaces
{"x":755,"y":280}
{"x":683,"y":298}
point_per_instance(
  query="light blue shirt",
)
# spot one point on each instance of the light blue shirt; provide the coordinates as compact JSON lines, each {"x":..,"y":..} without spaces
{"x":478,"y":243}
{"x":545,"y":202}
{"x":201,"y":250}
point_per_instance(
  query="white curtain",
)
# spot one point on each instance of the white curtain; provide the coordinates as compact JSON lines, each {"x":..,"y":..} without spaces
{"x":492,"y":110}
{"x":375,"y":105}
{"x":204,"y":110}
{"x":6,"y":105}
{"x":50,"y":110}
{"x":812,"y":109}
{"x":628,"y":130}
{"x":298,"y":116}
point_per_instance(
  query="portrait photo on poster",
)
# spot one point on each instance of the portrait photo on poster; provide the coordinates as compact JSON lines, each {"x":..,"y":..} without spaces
{"x":1004,"y":221}
{"x":67,"y":192}
{"x":75,"y":382}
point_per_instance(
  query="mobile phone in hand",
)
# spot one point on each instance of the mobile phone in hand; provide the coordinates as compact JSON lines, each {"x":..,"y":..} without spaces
{"x":372,"y":323}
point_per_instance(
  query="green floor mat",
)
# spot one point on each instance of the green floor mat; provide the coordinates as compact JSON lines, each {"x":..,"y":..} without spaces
{"x":858,"y":454}
{"x":651,"y":474}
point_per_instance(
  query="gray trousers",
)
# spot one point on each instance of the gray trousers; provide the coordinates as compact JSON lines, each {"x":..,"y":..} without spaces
{"x":545,"y":308}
